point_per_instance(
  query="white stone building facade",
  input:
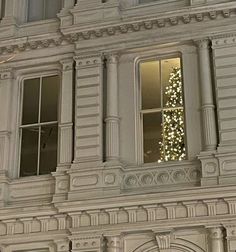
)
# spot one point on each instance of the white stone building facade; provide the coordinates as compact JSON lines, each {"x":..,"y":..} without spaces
{"x":102,"y":195}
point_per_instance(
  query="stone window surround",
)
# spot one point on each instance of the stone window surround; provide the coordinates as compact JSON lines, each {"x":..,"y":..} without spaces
{"x":158,"y":58}
{"x":185,"y":53}
{"x":64,"y":117}
{"x":26,"y":77}
{"x":38,"y":123}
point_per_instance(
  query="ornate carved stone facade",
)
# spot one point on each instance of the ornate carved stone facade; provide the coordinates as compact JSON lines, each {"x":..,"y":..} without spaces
{"x":101,"y":196}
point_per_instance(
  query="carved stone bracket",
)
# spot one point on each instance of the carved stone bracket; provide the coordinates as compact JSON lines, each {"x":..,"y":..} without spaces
{"x":163,"y":241}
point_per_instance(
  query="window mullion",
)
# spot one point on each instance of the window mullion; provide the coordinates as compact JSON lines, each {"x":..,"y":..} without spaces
{"x":39,"y":144}
{"x":39,"y":118}
{"x":40,"y":99}
{"x":19,"y":155}
{"x":162,"y":108}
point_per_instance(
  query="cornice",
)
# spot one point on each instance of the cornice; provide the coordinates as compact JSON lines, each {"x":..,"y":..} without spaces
{"x":76,"y":34}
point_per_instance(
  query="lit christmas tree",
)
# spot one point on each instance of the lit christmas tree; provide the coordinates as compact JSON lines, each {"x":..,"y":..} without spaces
{"x":172,"y":146}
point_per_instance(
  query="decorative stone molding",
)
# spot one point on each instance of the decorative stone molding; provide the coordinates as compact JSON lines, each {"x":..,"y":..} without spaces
{"x":145,"y":24}
{"x":88,"y":243}
{"x":181,"y":213}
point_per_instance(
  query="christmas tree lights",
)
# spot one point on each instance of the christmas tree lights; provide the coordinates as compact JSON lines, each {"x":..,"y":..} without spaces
{"x":172,"y":146}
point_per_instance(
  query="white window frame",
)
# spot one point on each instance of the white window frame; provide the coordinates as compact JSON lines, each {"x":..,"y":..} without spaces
{"x":154,"y":110}
{"x":27,"y":77}
{"x":191,"y":95}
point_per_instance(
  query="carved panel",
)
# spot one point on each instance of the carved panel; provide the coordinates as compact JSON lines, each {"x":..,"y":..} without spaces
{"x":161,"y":177}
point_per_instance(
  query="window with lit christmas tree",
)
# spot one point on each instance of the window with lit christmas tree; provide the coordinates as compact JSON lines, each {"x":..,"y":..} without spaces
{"x":162,"y":111}
{"x":172,"y":145}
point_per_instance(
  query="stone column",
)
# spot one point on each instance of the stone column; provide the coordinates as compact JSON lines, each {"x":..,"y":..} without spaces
{"x":208,"y":108}
{"x":112,"y":119}
{"x":66,"y":114}
{"x":113,"y":244}
{"x":216,"y":239}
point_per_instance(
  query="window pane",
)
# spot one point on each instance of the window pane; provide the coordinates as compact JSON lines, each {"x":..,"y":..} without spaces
{"x":171,"y":82}
{"x":50,"y":89}
{"x":150,"y":81}
{"x":152,"y":137}
{"x":173,"y":147}
{"x":31,"y":101}
{"x":29,"y":152}
{"x":48,"y":149}
{"x":35,"y":10}
{"x":52,"y":8}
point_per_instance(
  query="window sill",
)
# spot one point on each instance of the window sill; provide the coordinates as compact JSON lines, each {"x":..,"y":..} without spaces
{"x":31,"y":189}
{"x":35,"y":178}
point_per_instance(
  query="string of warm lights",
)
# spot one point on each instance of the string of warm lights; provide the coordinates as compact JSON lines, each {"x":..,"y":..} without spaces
{"x":172,"y":146}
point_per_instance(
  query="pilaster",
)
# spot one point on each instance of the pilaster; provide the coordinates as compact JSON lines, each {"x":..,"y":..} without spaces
{"x":65,"y":131}
{"x":88,"y":110}
{"x":224,"y":51}
{"x":6,"y":81}
{"x":86,"y":175}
